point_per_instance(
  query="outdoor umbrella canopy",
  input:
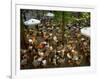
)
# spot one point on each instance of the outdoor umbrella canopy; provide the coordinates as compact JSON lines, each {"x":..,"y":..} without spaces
{"x":86,"y":31}
{"x":49,"y":14}
{"x":31,"y":22}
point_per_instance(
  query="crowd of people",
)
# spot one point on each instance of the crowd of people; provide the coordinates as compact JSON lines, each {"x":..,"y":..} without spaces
{"x":48,"y":46}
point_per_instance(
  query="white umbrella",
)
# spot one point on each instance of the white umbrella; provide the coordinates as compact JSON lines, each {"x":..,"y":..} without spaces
{"x":86,"y":31}
{"x":49,"y":14}
{"x":31,"y":22}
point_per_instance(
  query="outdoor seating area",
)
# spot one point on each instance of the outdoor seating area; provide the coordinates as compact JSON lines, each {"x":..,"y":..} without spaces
{"x":55,"y":40}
